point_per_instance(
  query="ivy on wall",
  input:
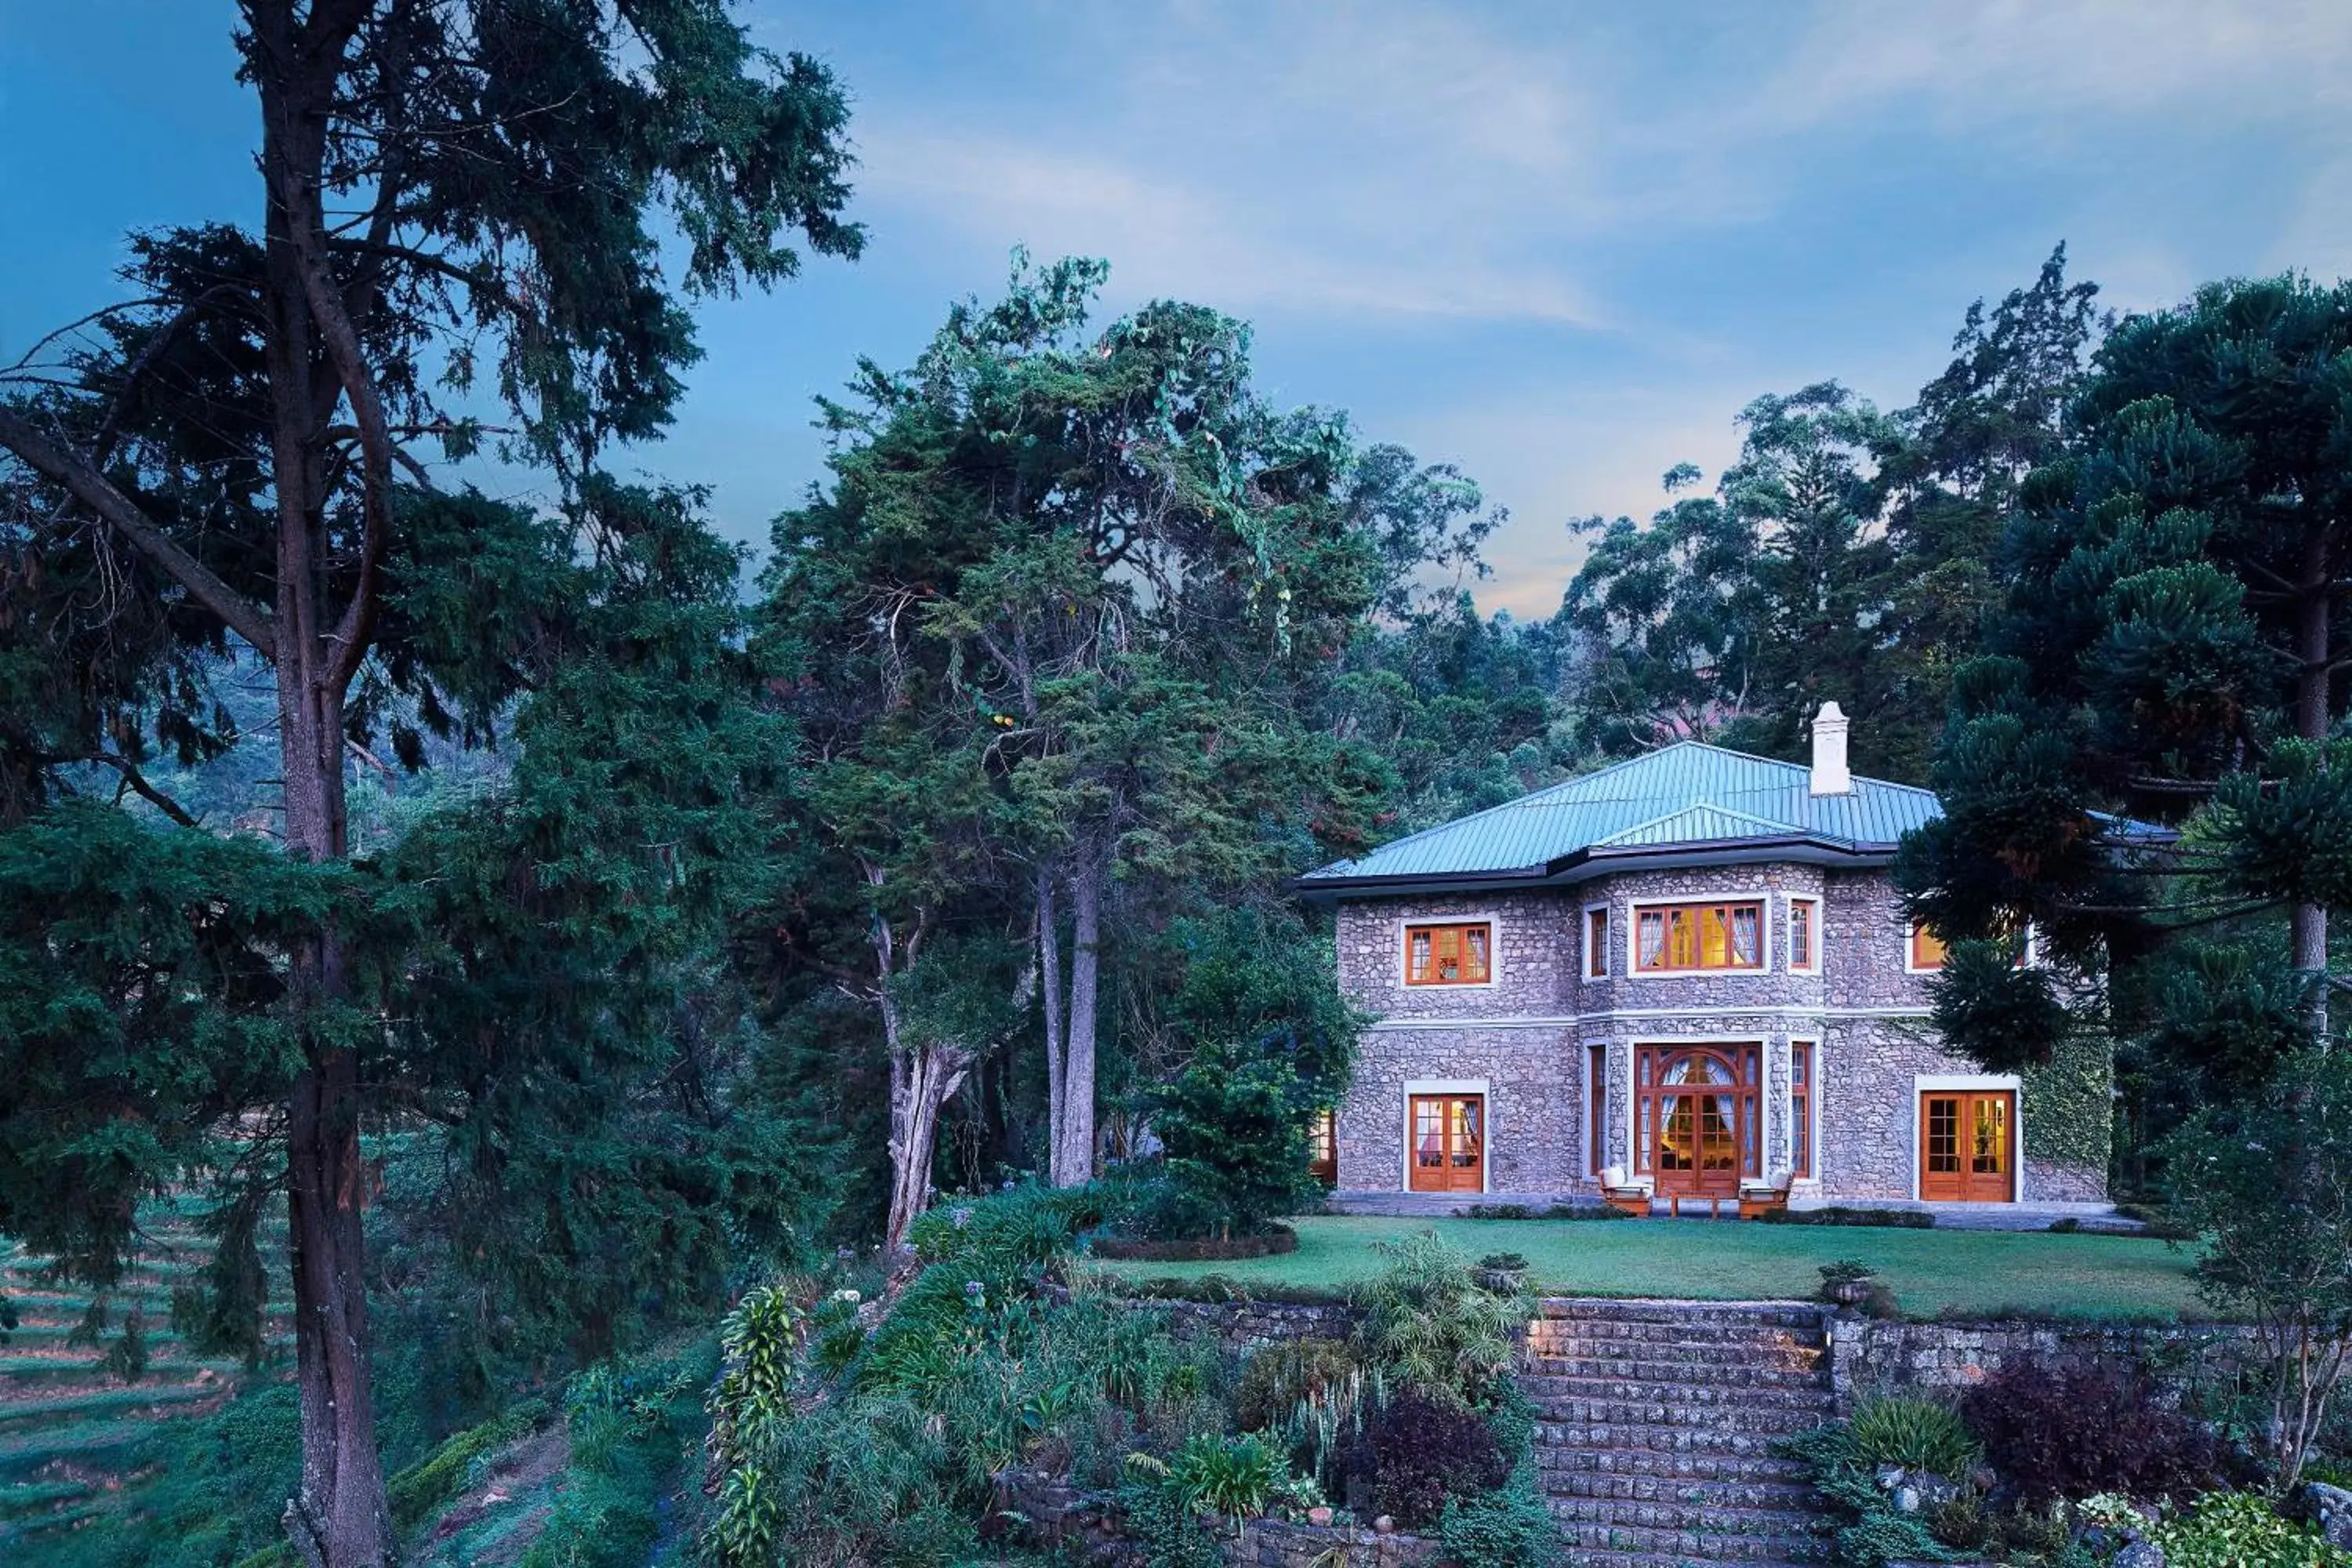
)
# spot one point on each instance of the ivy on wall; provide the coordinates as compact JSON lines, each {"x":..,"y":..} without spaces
{"x":2068,"y":1105}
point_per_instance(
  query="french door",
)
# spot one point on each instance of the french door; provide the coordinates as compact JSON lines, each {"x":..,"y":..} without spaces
{"x":1448,"y":1147}
{"x":1968,"y":1146}
{"x":1698,"y":1124}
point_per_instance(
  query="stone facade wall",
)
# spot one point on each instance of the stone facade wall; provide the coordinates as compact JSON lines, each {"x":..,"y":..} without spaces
{"x":1527,"y":1037}
{"x":1873,"y":1356}
{"x":1533,"y":1103}
{"x":1532,"y":951}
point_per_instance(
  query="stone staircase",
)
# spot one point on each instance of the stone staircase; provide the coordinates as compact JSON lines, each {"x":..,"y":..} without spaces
{"x":1658,"y":1425}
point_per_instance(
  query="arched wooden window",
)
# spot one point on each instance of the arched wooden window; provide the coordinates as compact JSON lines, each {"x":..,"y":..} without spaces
{"x":1697,"y":1116}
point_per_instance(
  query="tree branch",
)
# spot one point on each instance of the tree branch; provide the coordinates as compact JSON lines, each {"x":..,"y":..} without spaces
{"x":96,"y":492}
{"x":147,"y":791}
{"x":350,"y":635}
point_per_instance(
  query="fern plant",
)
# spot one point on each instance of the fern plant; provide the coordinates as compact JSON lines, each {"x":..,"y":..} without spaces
{"x":1427,"y":1321}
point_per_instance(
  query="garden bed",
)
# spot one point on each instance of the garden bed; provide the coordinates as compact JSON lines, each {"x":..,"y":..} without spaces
{"x":1274,"y":1243}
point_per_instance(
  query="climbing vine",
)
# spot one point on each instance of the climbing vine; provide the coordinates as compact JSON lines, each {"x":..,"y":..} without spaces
{"x":2068,"y":1103}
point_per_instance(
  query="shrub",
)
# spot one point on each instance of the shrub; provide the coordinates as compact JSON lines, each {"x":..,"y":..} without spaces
{"x":1556,"y":1211}
{"x":1233,"y":1124}
{"x":1313,"y":1393}
{"x":2242,"y":1530}
{"x":1846,"y":1271}
{"x":1872,"y":1532}
{"x":1235,"y":1477}
{"x":417,"y":1492}
{"x":1415,"y":1454}
{"x":1508,"y":1262}
{"x":1837,"y":1215}
{"x":1168,"y":1532}
{"x":1507,"y":1528}
{"x":1427,"y":1320}
{"x":1278,"y":1377}
{"x":1915,"y":1434}
{"x":2073,"y":1432}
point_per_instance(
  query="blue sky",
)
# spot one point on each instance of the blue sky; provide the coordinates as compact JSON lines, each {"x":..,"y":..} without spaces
{"x":1558,"y":246}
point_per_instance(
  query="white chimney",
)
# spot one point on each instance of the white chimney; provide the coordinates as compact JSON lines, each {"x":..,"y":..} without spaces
{"x":1830,"y":773}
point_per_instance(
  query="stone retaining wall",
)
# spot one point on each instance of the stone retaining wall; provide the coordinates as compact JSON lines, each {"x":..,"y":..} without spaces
{"x":1246,"y":1325}
{"x":1281,"y":1543}
{"x":1869,"y":1356}
{"x":1084,"y":1526}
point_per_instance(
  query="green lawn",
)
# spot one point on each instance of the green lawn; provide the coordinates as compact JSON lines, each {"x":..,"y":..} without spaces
{"x":1929,"y":1270}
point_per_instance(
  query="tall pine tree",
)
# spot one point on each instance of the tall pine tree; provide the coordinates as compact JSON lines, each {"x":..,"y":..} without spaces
{"x":450,"y":191}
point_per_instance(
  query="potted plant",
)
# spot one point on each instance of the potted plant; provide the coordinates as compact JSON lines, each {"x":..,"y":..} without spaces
{"x":1847,"y":1282}
{"x":1504,"y":1273}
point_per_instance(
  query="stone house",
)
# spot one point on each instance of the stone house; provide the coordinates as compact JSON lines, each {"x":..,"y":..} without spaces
{"x":1685,"y":975}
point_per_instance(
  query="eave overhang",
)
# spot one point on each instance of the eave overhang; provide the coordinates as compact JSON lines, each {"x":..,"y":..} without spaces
{"x":1601,"y":861}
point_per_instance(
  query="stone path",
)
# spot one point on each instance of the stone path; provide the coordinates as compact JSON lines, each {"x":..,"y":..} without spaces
{"x":1948,"y":1216}
{"x":1658,"y":1425}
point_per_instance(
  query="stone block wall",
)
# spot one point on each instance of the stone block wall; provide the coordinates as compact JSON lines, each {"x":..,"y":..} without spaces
{"x":1872,"y":1356}
{"x":1532,"y":951}
{"x":1533,"y":1102}
{"x":1285,"y":1543}
{"x":1241,"y":1326}
{"x":1527,"y":1036}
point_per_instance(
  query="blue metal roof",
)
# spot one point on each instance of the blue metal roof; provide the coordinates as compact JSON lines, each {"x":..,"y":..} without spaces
{"x":1685,"y":798}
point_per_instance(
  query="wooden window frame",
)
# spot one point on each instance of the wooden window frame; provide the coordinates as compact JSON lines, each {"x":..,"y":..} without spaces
{"x":1812,"y":962}
{"x":1804,"y":1101}
{"x":2028,"y":951}
{"x":1596,"y":941}
{"x":1596,"y":1108}
{"x":1665,"y":912}
{"x":1745,"y":1090}
{"x":1323,"y":1147}
{"x":1484,"y":925}
{"x":1964,"y":1092}
{"x":1447,"y":1090}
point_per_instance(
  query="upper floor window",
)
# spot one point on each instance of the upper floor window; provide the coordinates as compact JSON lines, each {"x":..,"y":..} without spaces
{"x":1676,"y":937}
{"x":1596,"y":943}
{"x":1927,"y":952}
{"x":1804,"y":933}
{"x":1449,"y":955}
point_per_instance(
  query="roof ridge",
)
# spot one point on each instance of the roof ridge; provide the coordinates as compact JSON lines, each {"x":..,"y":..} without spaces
{"x":1514,"y":803}
{"x":1696,"y":806}
{"x":1797,"y":767}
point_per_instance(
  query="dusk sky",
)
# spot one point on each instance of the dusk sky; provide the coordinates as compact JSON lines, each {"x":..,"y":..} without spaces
{"x":1560,"y":247}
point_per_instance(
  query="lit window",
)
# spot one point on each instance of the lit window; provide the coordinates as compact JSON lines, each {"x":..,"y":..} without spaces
{"x":1323,"y":1147}
{"x":1596,"y":943}
{"x":1449,"y":955}
{"x":1699,"y":937}
{"x":1927,"y":949}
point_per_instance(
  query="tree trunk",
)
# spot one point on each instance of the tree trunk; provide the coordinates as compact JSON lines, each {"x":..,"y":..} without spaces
{"x":920,"y":1082}
{"x":2313,"y":716}
{"x":1074,"y":1147}
{"x":1049,"y":964}
{"x":339,"y":1518}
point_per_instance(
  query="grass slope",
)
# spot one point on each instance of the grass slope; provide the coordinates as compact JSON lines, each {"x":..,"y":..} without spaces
{"x":1931,"y":1271}
{"x":68,"y":1429}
